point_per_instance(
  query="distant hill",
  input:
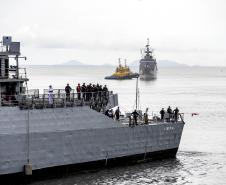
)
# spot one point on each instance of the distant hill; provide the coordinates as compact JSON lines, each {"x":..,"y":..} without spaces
{"x":161,"y":63}
{"x":73,"y":63}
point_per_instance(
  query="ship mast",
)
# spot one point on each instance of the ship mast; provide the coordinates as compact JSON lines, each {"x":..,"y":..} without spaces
{"x":147,"y":51}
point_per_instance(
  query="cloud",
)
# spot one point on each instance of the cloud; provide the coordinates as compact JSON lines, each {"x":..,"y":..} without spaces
{"x":176,"y":28}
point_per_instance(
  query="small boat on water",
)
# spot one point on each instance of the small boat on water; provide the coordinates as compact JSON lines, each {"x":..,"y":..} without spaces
{"x":122,"y":73}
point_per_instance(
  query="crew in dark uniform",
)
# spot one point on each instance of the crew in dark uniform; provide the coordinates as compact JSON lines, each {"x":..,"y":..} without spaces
{"x":67,"y":90}
{"x":107,"y":113}
{"x":105,"y":89}
{"x":83,"y":90}
{"x":162,"y":113}
{"x":105,"y":92}
{"x":135,"y":115}
{"x":90,"y":90}
{"x":88,"y":93}
{"x":170,"y":112}
{"x":110,"y":113}
{"x":78,"y":89}
{"x":117,"y":113}
{"x":176,"y":113}
{"x":100,"y":92}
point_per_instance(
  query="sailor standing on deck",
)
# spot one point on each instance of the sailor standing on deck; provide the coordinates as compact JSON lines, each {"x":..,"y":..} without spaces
{"x":50,"y":94}
{"x":78,"y":89}
{"x":162,"y":113}
{"x":83,"y":90}
{"x":117,"y":114}
{"x":67,"y":90}
{"x":105,"y":93}
{"x":176,"y":112}
{"x":135,"y":115}
{"x":170,"y":113}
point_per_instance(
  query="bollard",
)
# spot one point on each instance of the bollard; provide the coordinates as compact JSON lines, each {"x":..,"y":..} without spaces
{"x":28,"y":169}
{"x":146,"y":119}
{"x":130,"y":120}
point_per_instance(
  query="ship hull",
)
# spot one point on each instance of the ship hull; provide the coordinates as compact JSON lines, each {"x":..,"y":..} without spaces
{"x":134,"y":75}
{"x":61,"y":137}
{"x":147,"y":70}
{"x":59,"y":171}
{"x":149,"y":76}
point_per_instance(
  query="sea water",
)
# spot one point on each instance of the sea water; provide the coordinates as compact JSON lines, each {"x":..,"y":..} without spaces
{"x":201,"y":158}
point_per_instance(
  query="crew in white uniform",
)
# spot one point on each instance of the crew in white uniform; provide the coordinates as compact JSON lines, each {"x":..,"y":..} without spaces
{"x":50,"y":94}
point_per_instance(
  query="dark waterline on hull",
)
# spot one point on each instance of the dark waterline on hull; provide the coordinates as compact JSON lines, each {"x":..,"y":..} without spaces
{"x":61,"y":171}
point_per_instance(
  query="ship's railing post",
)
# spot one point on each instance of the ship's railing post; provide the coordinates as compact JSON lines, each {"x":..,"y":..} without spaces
{"x":65,"y":101}
{"x":145,"y":118}
{"x":74,"y":94}
{"x":33,"y":99}
{"x":28,"y":166}
{"x":0,"y":96}
{"x":32,"y":102}
{"x":54,"y":102}
{"x":43,"y":100}
{"x":73,"y":99}
{"x":130,"y":121}
{"x":181,"y":115}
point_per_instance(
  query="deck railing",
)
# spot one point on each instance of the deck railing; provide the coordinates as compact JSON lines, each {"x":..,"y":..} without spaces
{"x":56,"y":99}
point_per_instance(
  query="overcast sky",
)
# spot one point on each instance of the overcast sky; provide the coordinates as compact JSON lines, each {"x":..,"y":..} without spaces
{"x":191,"y":32}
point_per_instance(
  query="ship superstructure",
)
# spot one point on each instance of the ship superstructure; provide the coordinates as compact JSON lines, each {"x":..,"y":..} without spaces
{"x":13,"y":79}
{"x":39,"y":131}
{"x":148,"y":65}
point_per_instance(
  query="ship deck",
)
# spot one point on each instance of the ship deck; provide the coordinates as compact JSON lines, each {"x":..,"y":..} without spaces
{"x":14,"y":120}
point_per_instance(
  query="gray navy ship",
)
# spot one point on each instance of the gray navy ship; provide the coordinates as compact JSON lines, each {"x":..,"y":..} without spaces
{"x":39,"y":134}
{"x":148,"y":65}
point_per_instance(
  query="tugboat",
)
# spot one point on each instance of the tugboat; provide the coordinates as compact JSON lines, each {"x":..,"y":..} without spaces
{"x":148,"y":65}
{"x":122,"y":73}
{"x":56,"y":130}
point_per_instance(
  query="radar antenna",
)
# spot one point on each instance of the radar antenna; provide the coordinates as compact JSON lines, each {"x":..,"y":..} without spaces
{"x":148,"y":42}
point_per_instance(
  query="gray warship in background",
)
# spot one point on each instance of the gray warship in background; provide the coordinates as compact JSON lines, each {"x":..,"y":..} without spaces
{"x":148,"y":65}
{"x":38,"y":134}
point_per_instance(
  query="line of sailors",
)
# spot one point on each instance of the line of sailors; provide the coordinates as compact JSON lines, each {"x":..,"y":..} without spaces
{"x":132,"y":118}
{"x":169,"y":114}
{"x":91,"y":90}
{"x":85,"y":92}
{"x":172,"y":115}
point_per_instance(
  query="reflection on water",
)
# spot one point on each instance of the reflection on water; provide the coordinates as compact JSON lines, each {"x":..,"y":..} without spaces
{"x":187,"y":168}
